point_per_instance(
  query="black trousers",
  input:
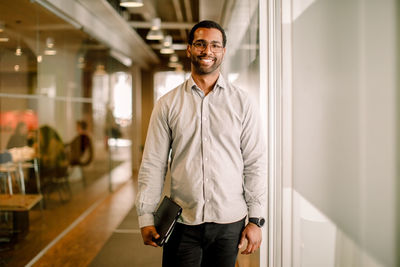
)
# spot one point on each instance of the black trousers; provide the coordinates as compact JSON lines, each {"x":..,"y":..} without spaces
{"x":204,"y":245}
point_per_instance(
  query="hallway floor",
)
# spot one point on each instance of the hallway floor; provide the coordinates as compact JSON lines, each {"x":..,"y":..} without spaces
{"x":95,"y":227}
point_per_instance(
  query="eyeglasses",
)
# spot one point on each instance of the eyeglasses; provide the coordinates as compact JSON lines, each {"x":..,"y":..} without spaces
{"x":202,"y":45}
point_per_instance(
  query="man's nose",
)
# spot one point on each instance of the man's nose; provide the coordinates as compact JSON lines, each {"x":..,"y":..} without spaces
{"x":207,"y":49}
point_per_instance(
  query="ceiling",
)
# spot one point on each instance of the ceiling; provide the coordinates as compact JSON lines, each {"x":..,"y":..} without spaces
{"x":177,"y":18}
{"x":122,"y":30}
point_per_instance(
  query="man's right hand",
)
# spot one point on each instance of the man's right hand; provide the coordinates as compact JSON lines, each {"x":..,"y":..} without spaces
{"x":149,"y":233}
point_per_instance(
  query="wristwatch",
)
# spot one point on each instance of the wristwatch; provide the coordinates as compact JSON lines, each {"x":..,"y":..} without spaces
{"x":257,"y":221}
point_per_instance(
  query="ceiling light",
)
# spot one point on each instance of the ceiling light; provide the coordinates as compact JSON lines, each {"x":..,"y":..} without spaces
{"x":174,"y":64}
{"x":131,"y":3}
{"x":167,"y":45}
{"x":49,"y":42}
{"x":167,"y":50}
{"x":18,"y":51}
{"x":50,"y":51}
{"x":155,"y":32}
{"x":2,"y":26}
{"x":167,"y":40}
{"x":173,"y":58}
{"x":155,"y":35}
{"x":4,"y":39}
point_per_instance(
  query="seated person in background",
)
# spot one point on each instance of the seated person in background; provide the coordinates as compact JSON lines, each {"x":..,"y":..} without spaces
{"x":53,"y":160}
{"x":20,"y":136}
{"x":80,"y":149}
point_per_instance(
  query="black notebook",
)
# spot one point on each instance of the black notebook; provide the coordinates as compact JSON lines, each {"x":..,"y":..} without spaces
{"x":165,"y":219}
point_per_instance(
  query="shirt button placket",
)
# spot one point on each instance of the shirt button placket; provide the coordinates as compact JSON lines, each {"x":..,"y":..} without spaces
{"x":206,"y":155}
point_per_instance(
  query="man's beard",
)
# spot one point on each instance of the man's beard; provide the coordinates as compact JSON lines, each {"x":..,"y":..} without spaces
{"x":202,"y":70}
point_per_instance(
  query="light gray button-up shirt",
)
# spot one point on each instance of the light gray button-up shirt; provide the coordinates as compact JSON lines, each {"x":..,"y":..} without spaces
{"x":218,"y":155}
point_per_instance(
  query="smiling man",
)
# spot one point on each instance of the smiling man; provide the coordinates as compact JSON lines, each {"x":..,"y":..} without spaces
{"x":212,"y":132}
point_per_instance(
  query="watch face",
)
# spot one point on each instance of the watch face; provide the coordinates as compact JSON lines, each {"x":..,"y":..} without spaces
{"x":258,"y":221}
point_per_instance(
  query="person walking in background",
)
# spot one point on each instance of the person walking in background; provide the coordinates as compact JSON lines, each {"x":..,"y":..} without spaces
{"x":212,"y":134}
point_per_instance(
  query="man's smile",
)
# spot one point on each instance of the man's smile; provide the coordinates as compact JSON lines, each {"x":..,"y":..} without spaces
{"x":207,"y":60}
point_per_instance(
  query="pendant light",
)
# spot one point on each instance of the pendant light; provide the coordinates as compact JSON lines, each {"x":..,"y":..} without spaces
{"x":131,"y":3}
{"x":155,"y":32}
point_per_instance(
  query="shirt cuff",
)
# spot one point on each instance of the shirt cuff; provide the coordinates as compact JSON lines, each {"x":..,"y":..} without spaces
{"x":256,"y":212}
{"x":146,"y":220}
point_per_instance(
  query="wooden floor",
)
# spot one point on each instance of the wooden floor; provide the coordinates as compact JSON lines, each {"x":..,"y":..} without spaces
{"x":88,"y":201}
{"x":82,"y":243}
{"x":73,"y":233}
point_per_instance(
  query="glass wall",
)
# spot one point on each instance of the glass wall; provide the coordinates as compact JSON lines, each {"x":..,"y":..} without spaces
{"x":58,"y":93}
{"x":241,"y":66}
{"x":341,"y":60}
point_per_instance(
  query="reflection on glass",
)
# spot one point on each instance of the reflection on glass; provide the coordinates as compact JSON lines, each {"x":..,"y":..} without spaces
{"x":53,"y":75}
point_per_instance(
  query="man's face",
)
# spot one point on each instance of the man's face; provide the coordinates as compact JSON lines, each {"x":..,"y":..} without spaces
{"x":207,"y":53}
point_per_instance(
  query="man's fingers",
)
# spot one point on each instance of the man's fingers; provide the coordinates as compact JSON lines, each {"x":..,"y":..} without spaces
{"x":242,"y":239}
{"x":149,"y":234}
{"x":156,"y":235}
{"x":151,"y":243}
{"x":249,"y":249}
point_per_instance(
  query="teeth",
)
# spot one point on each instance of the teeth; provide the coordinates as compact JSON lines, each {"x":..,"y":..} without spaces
{"x":207,"y":60}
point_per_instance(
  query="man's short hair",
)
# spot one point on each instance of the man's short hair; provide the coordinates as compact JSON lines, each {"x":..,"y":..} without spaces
{"x":209,"y":24}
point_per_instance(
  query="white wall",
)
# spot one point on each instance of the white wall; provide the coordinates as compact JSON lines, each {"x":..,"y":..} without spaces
{"x":342,"y":72}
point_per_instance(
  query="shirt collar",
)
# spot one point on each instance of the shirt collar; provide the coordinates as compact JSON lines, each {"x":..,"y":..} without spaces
{"x":220,"y":84}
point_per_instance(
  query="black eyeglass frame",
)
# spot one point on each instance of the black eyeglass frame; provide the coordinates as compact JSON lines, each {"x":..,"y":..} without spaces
{"x":202,"y":45}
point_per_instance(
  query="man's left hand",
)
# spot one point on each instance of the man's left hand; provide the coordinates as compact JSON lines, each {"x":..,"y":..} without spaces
{"x":253,"y":235}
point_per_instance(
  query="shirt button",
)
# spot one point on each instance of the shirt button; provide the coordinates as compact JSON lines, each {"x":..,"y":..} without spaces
{"x":205,"y":119}
{"x":206,"y":159}
{"x":208,"y":200}
{"x":206,"y":179}
{"x":205,"y":139}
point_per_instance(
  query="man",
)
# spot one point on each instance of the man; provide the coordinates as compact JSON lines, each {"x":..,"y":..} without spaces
{"x":211,"y":132}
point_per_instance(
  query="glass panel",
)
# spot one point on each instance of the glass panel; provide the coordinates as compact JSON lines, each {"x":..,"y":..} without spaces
{"x":242,"y":67}
{"x":344,"y":136}
{"x":60,"y":104}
